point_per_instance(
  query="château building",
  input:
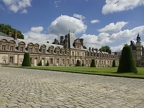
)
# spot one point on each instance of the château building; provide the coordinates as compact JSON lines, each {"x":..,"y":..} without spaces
{"x":63,"y":53}
{"x":138,"y":51}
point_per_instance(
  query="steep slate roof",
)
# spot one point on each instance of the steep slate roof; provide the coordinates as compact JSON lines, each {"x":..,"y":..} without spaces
{"x":72,"y":38}
{"x":133,"y":45}
{"x":4,"y":36}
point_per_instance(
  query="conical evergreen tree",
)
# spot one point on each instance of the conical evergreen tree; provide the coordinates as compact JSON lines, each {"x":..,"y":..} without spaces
{"x":26,"y":60}
{"x":127,"y":63}
{"x":113,"y":63}
{"x":93,"y":64}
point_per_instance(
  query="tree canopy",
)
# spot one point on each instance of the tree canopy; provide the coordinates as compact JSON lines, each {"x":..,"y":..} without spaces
{"x":7,"y":28}
{"x":106,"y":49}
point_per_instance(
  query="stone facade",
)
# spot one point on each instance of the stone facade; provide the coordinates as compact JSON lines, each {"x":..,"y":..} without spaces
{"x":138,"y":51}
{"x":63,"y":53}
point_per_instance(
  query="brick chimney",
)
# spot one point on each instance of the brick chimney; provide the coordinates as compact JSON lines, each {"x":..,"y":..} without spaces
{"x":61,"y":40}
{"x":15,"y":35}
{"x":81,"y":40}
{"x":10,"y":34}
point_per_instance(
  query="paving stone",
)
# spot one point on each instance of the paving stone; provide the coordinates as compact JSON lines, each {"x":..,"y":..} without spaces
{"x":28,"y":88}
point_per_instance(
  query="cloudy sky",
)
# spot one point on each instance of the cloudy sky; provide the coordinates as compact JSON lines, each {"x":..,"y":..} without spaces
{"x":99,"y":22}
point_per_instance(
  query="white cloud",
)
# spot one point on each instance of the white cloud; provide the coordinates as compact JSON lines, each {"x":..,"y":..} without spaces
{"x":18,"y":5}
{"x":35,"y":34}
{"x":37,"y":29}
{"x":96,"y":41}
{"x":127,"y":34}
{"x":24,"y":11}
{"x":95,"y":21}
{"x":112,"y":28}
{"x":117,"y":48}
{"x":78,"y":16}
{"x":120,"y":5}
{"x":63,"y":24}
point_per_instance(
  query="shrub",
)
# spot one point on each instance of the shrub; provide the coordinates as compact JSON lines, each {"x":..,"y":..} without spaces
{"x":93,"y":64}
{"x":40,"y":63}
{"x":78,"y":63}
{"x":47,"y":64}
{"x":127,"y":63}
{"x":26,"y":60}
{"x":83,"y":64}
{"x":113,"y":63}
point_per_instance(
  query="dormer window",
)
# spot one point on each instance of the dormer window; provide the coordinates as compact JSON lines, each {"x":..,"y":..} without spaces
{"x":43,"y":50}
{"x":21,"y":49}
{"x":3,"y":47}
{"x":36,"y":50}
{"x":11,"y":48}
{"x":30,"y":50}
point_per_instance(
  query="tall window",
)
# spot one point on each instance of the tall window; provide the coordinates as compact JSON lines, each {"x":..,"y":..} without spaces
{"x":30,"y":50}
{"x":67,"y":61}
{"x":57,"y":61}
{"x":21,"y":49}
{"x":72,"y":61}
{"x":43,"y":50}
{"x":36,"y":50}
{"x":63,"y":52}
{"x":11,"y":48}
{"x":77,"y":53}
{"x":51,"y":61}
{"x":3,"y":47}
{"x":63,"y":61}
{"x":57,"y":52}
{"x":72,"y":53}
{"x":51,"y":51}
{"x":11,"y":59}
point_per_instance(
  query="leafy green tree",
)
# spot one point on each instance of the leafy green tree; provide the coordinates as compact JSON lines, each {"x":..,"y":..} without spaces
{"x":106,"y":49}
{"x":93,"y":64}
{"x":113,"y":63}
{"x":127,"y":63}
{"x":26,"y":60}
{"x":7,"y":28}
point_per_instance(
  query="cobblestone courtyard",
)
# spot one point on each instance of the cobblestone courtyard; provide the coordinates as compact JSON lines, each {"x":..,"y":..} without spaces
{"x":23,"y":88}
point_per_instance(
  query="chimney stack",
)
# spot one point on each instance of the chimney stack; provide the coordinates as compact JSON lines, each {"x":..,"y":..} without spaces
{"x":10,"y":34}
{"x":81,"y":40}
{"x":15,"y":35}
{"x":89,"y":48}
{"x":61,"y":40}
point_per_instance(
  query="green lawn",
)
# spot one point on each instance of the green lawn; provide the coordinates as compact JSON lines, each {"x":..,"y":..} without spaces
{"x":109,"y":71}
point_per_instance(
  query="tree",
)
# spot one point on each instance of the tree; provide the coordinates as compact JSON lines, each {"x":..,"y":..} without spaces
{"x":47,"y":64}
{"x":93,"y":64}
{"x":105,"y":49}
{"x":7,"y":28}
{"x":26,"y":60}
{"x":127,"y":63}
{"x":113,"y":63}
{"x":78,"y":63}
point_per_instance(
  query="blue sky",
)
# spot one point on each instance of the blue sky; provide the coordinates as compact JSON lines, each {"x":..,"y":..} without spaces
{"x":99,"y":22}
